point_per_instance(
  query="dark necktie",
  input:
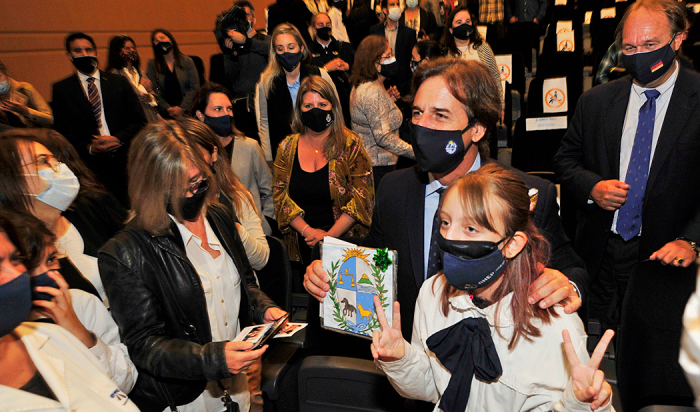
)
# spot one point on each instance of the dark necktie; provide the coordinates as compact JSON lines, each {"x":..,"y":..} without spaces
{"x":629,"y":217}
{"x":434,"y":262}
{"x":465,"y":349}
{"x":95,"y":102}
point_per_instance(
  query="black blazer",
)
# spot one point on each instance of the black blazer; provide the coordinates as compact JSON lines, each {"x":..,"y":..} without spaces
{"x":405,"y":40}
{"x":397,"y":223}
{"x":590,"y":152}
{"x":428,"y":25}
{"x":73,"y":118}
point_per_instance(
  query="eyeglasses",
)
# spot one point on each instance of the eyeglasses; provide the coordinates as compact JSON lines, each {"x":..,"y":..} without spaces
{"x":46,"y":160}
{"x":198,"y":187}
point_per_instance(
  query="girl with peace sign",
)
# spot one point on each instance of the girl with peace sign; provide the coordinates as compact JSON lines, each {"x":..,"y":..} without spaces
{"x":477,"y":343}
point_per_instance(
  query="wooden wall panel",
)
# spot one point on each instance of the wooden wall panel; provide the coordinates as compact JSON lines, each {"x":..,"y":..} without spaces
{"x":32,"y":32}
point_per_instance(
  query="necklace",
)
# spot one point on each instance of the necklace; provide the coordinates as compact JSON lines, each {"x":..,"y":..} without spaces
{"x":308,"y":141}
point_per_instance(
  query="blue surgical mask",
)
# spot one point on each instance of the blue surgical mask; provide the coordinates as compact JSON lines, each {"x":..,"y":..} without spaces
{"x":15,"y":303}
{"x":63,"y":187}
{"x":469,"y":264}
{"x":4,"y":87}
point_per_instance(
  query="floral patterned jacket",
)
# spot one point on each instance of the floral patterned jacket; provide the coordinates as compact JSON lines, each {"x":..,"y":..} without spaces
{"x":351,"y":183}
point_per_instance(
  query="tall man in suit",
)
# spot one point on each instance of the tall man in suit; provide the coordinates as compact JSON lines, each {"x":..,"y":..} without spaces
{"x":401,"y":39}
{"x":98,"y":113}
{"x":630,"y":158}
{"x":456,"y":103}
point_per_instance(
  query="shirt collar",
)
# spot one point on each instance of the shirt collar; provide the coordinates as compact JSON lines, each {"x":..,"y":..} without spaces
{"x":434,"y":184}
{"x":505,"y":318}
{"x":296,"y":82}
{"x":188,"y":236}
{"x":83,"y":77}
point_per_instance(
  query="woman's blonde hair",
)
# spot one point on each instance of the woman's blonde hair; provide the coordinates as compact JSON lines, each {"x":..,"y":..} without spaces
{"x":226,"y":179}
{"x":334,"y":144}
{"x":158,"y":175}
{"x":273,"y":68}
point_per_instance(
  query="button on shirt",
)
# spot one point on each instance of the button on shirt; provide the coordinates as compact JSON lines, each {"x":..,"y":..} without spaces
{"x":104,"y":130}
{"x":221,"y":284}
{"x":294,"y":90}
{"x":637,"y":100}
{"x":432,"y":201}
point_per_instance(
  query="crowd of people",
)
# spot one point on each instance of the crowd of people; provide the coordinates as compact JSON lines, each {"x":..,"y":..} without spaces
{"x":135,"y":208}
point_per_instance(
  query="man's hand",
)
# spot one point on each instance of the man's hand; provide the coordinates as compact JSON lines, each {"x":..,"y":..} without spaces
{"x":236,"y":37}
{"x":610,"y":194}
{"x":676,"y":253}
{"x":551,"y":288}
{"x":104,"y":144}
{"x":316,"y":280}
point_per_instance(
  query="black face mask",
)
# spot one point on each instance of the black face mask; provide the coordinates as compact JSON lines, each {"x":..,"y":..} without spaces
{"x":85,"y":64}
{"x":220,"y":125}
{"x":317,"y":119}
{"x":164,"y":47}
{"x":415,"y":64}
{"x":289,"y":61}
{"x":463,"y":31}
{"x":646,"y":67}
{"x":192,"y":206}
{"x":42,"y":280}
{"x":324,"y":33}
{"x":438,"y":151}
{"x":389,"y":70}
{"x":130,"y":56}
{"x":469,"y":264}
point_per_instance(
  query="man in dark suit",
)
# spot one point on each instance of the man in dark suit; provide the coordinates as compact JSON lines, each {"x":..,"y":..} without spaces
{"x":407,"y":200}
{"x":98,"y":113}
{"x":630,"y":157}
{"x":401,"y":39}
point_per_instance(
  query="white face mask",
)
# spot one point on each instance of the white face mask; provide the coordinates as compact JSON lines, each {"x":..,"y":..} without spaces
{"x":411,"y":4}
{"x":389,"y":61}
{"x":394,"y":13}
{"x":62,"y":189}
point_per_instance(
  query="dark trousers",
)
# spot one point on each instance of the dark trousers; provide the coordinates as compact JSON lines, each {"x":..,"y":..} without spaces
{"x":608,"y":288}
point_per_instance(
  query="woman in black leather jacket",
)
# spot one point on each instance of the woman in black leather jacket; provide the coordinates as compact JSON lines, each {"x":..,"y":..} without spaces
{"x":178,"y":280}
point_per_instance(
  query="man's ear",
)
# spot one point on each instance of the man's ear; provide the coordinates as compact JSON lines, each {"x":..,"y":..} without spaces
{"x":479,"y":131}
{"x":515,"y":245}
{"x":199,"y":115}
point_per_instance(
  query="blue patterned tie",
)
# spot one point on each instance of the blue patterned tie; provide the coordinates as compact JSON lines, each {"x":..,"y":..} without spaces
{"x":434,"y":262}
{"x":629,"y":218}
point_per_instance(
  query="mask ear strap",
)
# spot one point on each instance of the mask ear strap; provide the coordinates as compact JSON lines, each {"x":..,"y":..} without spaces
{"x":471,"y":124}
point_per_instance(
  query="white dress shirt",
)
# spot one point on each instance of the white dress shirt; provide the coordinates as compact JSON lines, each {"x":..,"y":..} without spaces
{"x":72,"y":246}
{"x":636,"y":101}
{"x":222,"y":290}
{"x":104,"y":130}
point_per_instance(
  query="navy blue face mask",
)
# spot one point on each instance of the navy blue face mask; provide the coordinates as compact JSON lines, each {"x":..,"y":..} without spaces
{"x":15,"y":303}
{"x":646,"y":67}
{"x":220,"y":125}
{"x":42,"y":280}
{"x":470,"y":264}
{"x":438,"y":151}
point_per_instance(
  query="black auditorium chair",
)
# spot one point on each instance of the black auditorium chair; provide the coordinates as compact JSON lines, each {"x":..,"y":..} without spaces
{"x":341,"y":384}
{"x":649,"y":334}
{"x":276,"y":277}
{"x":199,"y":64}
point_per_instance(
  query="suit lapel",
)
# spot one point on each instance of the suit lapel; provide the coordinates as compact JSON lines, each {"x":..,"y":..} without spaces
{"x":614,"y":123}
{"x":683,"y":101}
{"x":79,"y":95}
{"x":415,"y":195}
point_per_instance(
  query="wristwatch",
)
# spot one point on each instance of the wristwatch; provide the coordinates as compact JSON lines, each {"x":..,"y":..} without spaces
{"x":692,"y":244}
